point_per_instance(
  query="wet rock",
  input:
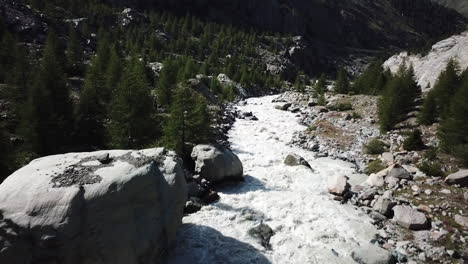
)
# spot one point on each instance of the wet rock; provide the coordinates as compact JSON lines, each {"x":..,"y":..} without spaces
{"x":461,"y":220}
{"x":295,"y":160}
{"x":338,"y":185}
{"x":217,"y":164}
{"x":193,"y":205}
{"x":372,"y":254}
{"x":284,"y":107}
{"x":460,"y":177}
{"x":210,"y":197}
{"x":263,"y":233}
{"x":104,"y":158}
{"x":410,"y":218}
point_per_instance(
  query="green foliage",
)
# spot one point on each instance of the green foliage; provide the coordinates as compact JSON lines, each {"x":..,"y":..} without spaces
{"x":299,"y":84}
{"x":375,"y":147}
{"x":428,"y":114}
{"x":342,"y":83}
{"x":47,"y":119}
{"x":373,"y":80}
{"x":74,"y":51}
{"x":446,"y":87}
{"x":356,"y":115}
{"x":414,"y":141}
{"x":132,"y":124}
{"x":374,"y":167}
{"x":398,"y":98}
{"x":431,"y":168}
{"x":321,"y":86}
{"x":167,"y":82}
{"x":341,"y":107}
{"x":189,"y":121}
{"x":454,"y":126}
{"x":321,"y":100}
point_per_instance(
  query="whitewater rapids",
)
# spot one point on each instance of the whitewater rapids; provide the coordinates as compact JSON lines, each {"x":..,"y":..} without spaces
{"x":309,"y":226}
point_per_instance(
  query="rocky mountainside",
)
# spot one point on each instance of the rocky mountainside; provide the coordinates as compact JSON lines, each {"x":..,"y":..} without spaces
{"x":332,"y":30}
{"x":428,"y":67}
{"x":460,"y":5}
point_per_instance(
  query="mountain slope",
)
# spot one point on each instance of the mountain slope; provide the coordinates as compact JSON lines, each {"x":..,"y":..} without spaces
{"x":428,"y":68}
{"x":460,"y":5}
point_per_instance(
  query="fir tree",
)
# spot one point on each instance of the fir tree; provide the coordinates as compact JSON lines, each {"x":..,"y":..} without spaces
{"x":321,"y":86}
{"x":454,"y":126}
{"x":446,"y":86}
{"x":299,"y":85}
{"x":428,"y":114}
{"x":342,"y":82}
{"x":166,"y":83}
{"x":74,"y":51}
{"x":113,"y":73}
{"x":47,"y":119}
{"x":201,"y":123}
{"x":132,"y":124}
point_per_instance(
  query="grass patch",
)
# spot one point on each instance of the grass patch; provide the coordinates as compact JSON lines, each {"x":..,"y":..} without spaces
{"x":375,"y":166}
{"x":375,"y":147}
{"x":341,"y":107}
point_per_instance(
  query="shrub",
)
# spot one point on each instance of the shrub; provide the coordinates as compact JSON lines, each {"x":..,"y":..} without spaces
{"x":375,"y":147}
{"x":431,"y":168}
{"x":356,"y":115}
{"x":430,"y":154}
{"x":341,"y":107}
{"x":374,"y":167}
{"x":414,"y":141}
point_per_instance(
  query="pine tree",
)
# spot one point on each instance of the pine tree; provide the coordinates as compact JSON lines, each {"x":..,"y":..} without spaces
{"x":166,"y":83}
{"x":428,"y":114}
{"x":201,"y":123}
{"x":371,"y":81}
{"x":47,"y":118}
{"x":132,"y":124}
{"x":342,"y":82}
{"x":18,"y":77}
{"x":299,"y":85}
{"x":321,"y":86}
{"x":446,"y":86}
{"x":176,"y":130}
{"x":215,"y":86}
{"x":74,"y":51}
{"x":113,"y":73}
{"x":454,"y":126}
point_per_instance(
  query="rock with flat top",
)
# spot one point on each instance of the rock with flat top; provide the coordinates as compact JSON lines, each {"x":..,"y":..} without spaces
{"x":372,"y":254}
{"x":71,"y":208}
{"x":460,"y":178}
{"x":410,"y":218}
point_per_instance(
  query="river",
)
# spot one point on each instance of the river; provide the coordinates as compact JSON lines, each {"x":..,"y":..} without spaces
{"x":309,"y":226}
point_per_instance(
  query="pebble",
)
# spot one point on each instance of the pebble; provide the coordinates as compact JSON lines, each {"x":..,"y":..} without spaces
{"x":428,"y":192}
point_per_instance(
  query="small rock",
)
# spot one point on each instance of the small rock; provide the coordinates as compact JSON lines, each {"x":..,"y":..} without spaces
{"x":384,"y":206}
{"x":461,"y":220}
{"x":372,"y":254}
{"x":465,"y":195}
{"x":428,"y":192}
{"x":445,"y":191}
{"x":104,"y":158}
{"x":295,"y":160}
{"x":263,"y":233}
{"x":193,"y":205}
{"x":399,"y":172}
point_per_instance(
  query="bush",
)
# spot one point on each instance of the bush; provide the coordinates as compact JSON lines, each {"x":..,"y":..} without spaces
{"x":431,"y":168}
{"x":430,"y":154}
{"x":375,"y":147}
{"x":374,"y":167}
{"x":356,"y":115}
{"x":341,"y":107}
{"x":414,"y":141}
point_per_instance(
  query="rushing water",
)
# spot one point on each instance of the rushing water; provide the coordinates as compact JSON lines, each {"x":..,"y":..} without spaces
{"x":309,"y":226}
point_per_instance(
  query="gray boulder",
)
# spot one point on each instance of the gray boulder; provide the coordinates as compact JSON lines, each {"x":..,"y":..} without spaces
{"x":460,"y":177}
{"x":217,"y":164}
{"x":384,"y":206}
{"x":71,"y":208}
{"x":372,"y":254}
{"x":461,"y":220}
{"x":295,"y":160}
{"x":399,"y":172}
{"x":410,"y":218}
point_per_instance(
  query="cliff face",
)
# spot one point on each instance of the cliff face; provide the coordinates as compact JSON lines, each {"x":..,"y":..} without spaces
{"x":461,"y":6}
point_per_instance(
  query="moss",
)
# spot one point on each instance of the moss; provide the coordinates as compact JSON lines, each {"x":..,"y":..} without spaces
{"x":375,"y":147}
{"x":375,"y":166}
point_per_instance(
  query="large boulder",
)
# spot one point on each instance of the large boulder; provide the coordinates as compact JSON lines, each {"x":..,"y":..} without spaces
{"x":338,"y":185}
{"x":372,"y":254}
{"x":217,"y":164}
{"x":295,"y":160}
{"x":460,"y":177}
{"x":461,"y":220}
{"x":399,"y":172}
{"x":73,"y":208}
{"x":410,"y":218}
